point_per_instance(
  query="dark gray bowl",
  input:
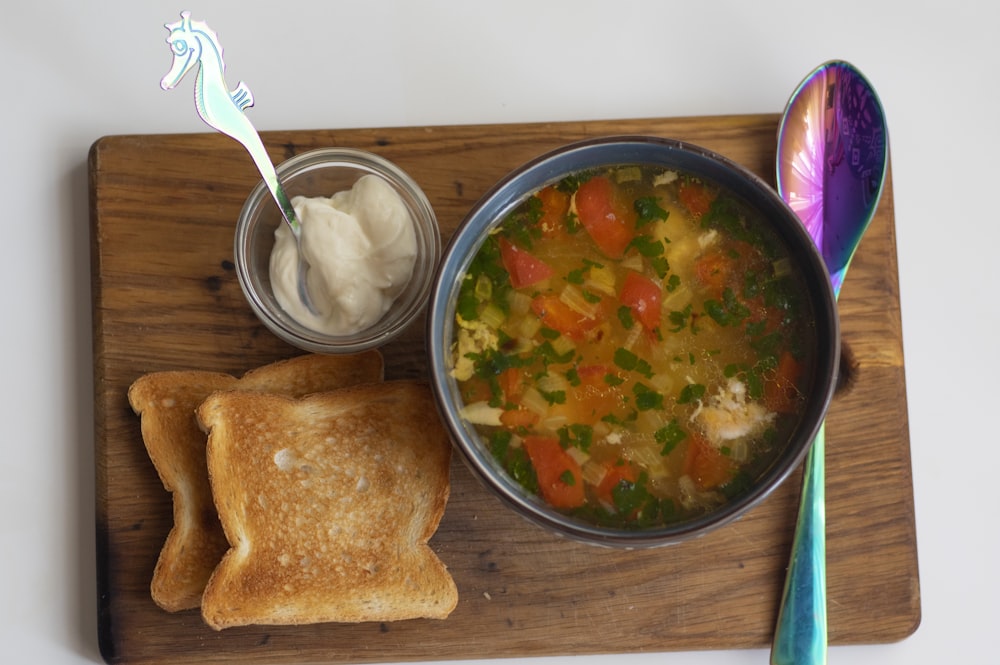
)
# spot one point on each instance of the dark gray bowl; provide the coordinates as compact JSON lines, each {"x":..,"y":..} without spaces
{"x":549,"y":168}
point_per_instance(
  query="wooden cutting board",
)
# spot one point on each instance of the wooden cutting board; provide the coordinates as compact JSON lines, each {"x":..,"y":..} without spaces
{"x":165,"y":296}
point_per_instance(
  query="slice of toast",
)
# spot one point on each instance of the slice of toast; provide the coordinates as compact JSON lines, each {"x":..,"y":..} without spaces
{"x":166,"y":402}
{"x":328,"y":503}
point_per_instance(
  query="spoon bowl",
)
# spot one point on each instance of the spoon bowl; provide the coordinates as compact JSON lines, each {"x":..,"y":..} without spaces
{"x":832,"y":159}
{"x":831,"y":167}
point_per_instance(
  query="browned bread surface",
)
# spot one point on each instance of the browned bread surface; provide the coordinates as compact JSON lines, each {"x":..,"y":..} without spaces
{"x":166,"y":402}
{"x":328,"y":503}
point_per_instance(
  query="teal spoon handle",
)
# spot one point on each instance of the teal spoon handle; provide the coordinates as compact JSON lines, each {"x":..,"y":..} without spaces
{"x":800,"y":634}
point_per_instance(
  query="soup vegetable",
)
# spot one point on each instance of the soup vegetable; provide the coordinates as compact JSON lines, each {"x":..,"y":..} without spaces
{"x":631,"y":344}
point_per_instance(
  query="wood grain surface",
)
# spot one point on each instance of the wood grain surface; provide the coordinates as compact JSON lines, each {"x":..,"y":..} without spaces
{"x":165,"y":296}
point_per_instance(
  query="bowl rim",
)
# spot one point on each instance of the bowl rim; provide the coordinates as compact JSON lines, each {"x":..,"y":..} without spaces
{"x":490,"y":210}
{"x":426,"y":226}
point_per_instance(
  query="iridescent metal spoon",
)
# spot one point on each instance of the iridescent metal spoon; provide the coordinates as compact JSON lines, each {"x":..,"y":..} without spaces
{"x":831,"y":167}
{"x":193,"y":44}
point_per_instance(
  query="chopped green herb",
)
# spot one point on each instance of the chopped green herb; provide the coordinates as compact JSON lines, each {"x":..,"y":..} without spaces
{"x":520,"y":468}
{"x":755,"y":385}
{"x":680,"y":319}
{"x":630,"y":362}
{"x":661,"y":267}
{"x":547,"y":352}
{"x":767,"y":345}
{"x":739,"y":484}
{"x":646,"y":246}
{"x":729,"y":312}
{"x":692,"y":392}
{"x":548,"y":333}
{"x":717,"y":312}
{"x":572,"y":182}
{"x":467,"y":306}
{"x":669,"y":436}
{"x":554,"y":397}
{"x":625,"y":316}
{"x":613,"y":379}
{"x":646,"y":398}
{"x":649,"y":211}
{"x":629,"y":496}
{"x":577,"y":434}
{"x":500,"y":442}
{"x":736,"y":309}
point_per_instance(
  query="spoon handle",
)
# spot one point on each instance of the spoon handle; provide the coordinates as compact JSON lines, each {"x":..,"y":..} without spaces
{"x":800,"y":634}
{"x":258,"y":153}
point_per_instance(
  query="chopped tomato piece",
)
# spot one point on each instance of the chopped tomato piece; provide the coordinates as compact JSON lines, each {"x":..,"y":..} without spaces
{"x":714,"y":269}
{"x":695,"y":196}
{"x":608,"y":220}
{"x":512,"y":384}
{"x":643,"y":296}
{"x":518,"y":417}
{"x":706,"y":464}
{"x":559,"y":478}
{"x":781,"y":394}
{"x":760,"y":313}
{"x":555,"y":205}
{"x":524,"y":269}
{"x":557,"y":315}
{"x":591,"y":373}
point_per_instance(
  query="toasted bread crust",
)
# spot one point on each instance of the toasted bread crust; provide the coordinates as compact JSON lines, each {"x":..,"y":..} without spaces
{"x":328,"y":503}
{"x":166,"y":402}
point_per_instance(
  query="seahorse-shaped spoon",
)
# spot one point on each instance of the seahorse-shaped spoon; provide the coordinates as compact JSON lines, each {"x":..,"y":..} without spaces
{"x":193,"y":43}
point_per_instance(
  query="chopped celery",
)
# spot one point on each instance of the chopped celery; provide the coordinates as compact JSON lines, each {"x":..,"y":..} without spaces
{"x":484,"y":288}
{"x":573,"y":298}
{"x":563,"y":345}
{"x":533,"y":400}
{"x":492,"y":316}
{"x":628,"y":174}
{"x":552,"y":382}
{"x":601,"y":278}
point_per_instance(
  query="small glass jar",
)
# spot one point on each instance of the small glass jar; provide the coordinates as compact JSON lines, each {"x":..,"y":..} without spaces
{"x":324,"y":172}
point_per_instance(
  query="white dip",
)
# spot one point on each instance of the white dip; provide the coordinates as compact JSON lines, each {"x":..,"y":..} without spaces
{"x":360,"y":245}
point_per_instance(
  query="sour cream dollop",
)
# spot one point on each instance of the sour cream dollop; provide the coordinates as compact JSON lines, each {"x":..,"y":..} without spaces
{"x":361,"y":247}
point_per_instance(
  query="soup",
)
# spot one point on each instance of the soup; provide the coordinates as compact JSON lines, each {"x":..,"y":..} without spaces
{"x":630,"y":345}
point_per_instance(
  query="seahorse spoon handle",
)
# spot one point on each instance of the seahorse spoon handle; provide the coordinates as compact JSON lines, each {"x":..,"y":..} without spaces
{"x":194,"y":44}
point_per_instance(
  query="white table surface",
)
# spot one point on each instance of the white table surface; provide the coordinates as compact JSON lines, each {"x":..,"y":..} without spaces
{"x":76,"y":71}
